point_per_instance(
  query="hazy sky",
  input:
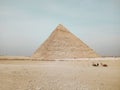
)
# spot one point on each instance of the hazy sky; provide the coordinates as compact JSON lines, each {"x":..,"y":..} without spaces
{"x":25,"y":24}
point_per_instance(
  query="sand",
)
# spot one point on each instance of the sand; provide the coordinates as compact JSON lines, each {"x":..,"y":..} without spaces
{"x":59,"y":75}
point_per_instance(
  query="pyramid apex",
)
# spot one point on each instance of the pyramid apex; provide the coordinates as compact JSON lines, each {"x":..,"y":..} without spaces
{"x":60,"y":25}
{"x":61,"y":28}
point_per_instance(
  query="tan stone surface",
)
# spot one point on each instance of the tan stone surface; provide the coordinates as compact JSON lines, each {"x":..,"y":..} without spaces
{"x":63,"y":44}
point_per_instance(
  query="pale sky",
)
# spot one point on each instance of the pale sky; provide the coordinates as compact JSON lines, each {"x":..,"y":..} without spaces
{"x":25,"y":24}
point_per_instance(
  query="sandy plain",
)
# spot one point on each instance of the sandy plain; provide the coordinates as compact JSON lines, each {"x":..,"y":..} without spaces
{"x":59,"y":75}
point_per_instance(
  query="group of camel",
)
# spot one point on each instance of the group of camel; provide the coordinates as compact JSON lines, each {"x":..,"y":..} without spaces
{"x":97,"y":64}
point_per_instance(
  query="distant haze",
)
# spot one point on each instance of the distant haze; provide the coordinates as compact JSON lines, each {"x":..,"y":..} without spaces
{"x":25,"y":24}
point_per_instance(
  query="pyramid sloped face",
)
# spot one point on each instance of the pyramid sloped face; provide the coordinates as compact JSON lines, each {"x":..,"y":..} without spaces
{"x":62,"y":44}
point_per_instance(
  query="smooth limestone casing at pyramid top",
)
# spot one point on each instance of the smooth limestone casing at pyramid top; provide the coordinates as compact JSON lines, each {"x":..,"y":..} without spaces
{"x":62,"y":44}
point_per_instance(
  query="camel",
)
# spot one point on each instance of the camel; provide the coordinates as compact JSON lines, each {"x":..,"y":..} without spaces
{"x":97,"y":64}
{"x":104,"y":65}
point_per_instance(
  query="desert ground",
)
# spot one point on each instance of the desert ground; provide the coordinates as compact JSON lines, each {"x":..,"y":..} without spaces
{"x":59,"y":75}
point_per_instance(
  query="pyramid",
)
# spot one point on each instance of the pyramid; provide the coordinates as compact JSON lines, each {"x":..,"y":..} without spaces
{"x":62,"y":44}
